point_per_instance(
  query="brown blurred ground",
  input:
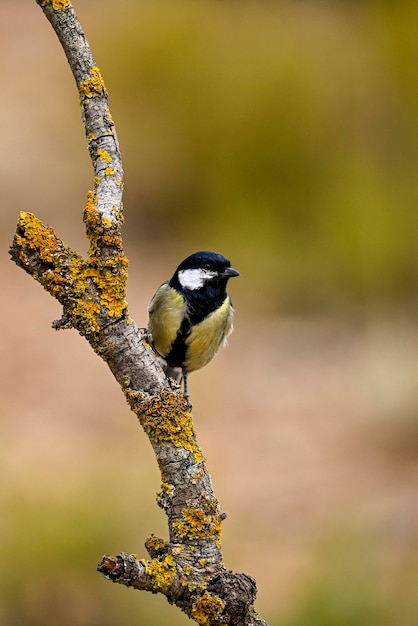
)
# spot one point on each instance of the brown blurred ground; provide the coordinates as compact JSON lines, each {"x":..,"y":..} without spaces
{"x":308,"y":423}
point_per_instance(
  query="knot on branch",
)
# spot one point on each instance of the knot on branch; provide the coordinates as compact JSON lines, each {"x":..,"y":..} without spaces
{"x":238,"y":591}
{"x":156,"y":547}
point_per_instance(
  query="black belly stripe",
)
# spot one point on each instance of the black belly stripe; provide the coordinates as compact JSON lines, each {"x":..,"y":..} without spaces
{"x":177,"y":354}
{"x":200,"y":304}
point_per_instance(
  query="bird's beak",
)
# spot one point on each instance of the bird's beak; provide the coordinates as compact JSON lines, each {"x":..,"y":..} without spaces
{"x":229,"y":272}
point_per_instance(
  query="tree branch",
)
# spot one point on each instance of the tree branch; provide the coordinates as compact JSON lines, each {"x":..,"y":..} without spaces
{"x":188,"y":568}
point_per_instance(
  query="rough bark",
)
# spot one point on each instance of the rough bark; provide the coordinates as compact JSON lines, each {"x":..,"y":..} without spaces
{"x":188,"y":568}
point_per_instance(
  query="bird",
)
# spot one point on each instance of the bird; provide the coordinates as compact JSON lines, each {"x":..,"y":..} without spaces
{"x":191,"y":315}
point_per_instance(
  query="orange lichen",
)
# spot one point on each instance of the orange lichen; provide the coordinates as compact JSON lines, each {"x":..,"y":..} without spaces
{"x":40,"y":238}
{"x":156,"y":544}
{"x":109,"y":272}
{"x":207,"y":610}
{"x":86,"y":288}
{"x":165,"y":418}
{"x":57,"y":5}
{"x":196,"y":524}
{"x":93,"y":86}
{"x":199,"y":522}
{"x":91,"y":201}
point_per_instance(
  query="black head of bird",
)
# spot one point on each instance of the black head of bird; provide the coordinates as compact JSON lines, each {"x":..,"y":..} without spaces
{"x":191,"y":315}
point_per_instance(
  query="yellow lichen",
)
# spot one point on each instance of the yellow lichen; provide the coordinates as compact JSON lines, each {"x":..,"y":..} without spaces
{"x":93,"y":86}
{"x":57,"y":5}
{"x":110,"y":118}
{"x":167,"y":488}
{"x":112,"y":293}
{"x":91,"y":201}
{"x":65,"y":268}
{"x":91,"y":137}
{"x":118,"y":214}
{"x":193,"y":525}
{"x":109,"y":171}
{"x":198,"y":523}
{"x":198,"y":473}
{"x":156,"y":544}
{"x":68,"y":277}
{"x":40,"y":238}
{"x":161,"y":572}
{"x":110,"y":273}
{"x":207,"y":609}
{"x":104,"y":156}
{"x":88,"y":310}
{"x":164,"y":418}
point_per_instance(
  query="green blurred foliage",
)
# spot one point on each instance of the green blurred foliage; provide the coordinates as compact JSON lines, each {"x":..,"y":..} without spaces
{"x":50,"y":543}
{"x":350,"y":587}
{"x":283,"y":134}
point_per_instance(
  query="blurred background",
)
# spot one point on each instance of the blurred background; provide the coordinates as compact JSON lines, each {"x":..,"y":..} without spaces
{"x":285,"y":136}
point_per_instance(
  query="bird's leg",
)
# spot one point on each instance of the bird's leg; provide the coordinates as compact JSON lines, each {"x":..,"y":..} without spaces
{"x":172,"y":372}
{"x":146,"y":337}
{"x":186,"y":389}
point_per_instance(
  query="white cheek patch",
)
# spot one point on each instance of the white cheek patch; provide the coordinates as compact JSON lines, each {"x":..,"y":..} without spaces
{"x":194,"y":278}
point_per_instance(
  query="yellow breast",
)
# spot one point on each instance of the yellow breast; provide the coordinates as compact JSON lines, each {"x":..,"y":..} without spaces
{"x":208,"y":336}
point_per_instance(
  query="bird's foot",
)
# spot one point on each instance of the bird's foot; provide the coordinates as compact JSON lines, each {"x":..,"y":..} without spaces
{"x":145,"y":335}
{"x":189,"y":405}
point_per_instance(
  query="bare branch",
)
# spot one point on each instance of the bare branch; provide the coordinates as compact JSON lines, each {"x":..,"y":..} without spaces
{"x":99,"y":127}
{"x":188,"y":568}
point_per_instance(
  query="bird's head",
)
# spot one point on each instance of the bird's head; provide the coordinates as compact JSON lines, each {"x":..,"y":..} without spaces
{"x":202,"y":269}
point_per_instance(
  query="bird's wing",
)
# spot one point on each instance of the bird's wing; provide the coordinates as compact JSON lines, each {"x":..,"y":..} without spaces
{"x":166,"y":312}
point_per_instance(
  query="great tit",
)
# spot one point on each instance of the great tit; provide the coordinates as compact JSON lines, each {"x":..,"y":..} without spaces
{"x":191,"y":315}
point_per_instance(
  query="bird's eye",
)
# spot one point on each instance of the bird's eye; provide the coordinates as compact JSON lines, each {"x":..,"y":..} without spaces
{"x":206,"y":266}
